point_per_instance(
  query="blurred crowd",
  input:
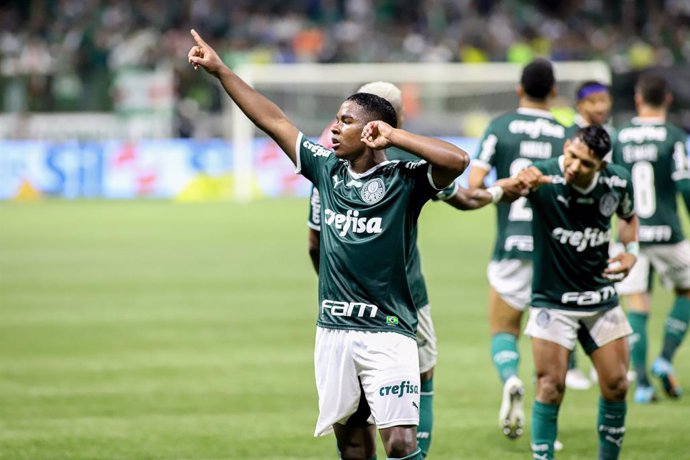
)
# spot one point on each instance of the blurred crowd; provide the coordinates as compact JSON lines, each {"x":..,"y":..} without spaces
{"x":64,"y":54}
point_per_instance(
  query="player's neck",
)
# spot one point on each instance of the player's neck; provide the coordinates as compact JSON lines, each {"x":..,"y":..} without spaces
{"x":527,"y":103}
{"x":367,"y":160}
{"x":646,"y":111}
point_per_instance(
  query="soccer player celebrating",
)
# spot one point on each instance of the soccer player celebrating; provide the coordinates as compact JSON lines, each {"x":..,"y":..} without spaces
{"x":573,"y":297}
{"x":593,"y":107}
{"x":365,"y":352}
{"x":653,"y":150}
{"x":510,"y":143}
{"x":426,"y":337}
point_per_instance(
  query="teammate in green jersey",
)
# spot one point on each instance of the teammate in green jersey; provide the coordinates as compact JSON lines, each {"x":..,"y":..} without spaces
{"x":510,"y":143}
{"x":426,"y":336}
{"x":573,"y":297}
{"x":365,"y":352}
{"x":653,"y":150}
{"x":593,"y":107}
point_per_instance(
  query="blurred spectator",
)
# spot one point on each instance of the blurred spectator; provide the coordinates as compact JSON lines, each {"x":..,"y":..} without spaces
{"x":64,"y":54}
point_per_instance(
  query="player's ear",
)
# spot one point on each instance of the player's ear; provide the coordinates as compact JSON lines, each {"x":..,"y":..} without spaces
{"x":638,"y":100}
{"x":553,"y":93}
{"x":602,"y":165}
{"x":520,"y":91}
{"x":566,"y":145}
{"x":669,"y":99}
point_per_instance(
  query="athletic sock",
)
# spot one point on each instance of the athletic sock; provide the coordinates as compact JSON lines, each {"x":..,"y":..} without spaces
{"x":544,"y":429}
{"x":675,"y":327}
{"x":572,"y":364}
{"x":426,"y":416}
{"x":505,"y":355}
{"x":416,"y":455}
{"x":638,"y":345}
{"x":611,"y":428}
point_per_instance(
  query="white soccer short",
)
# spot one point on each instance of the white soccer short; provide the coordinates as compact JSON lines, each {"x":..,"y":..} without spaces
{"x":565,"y":327}
{"x":426,"y":340}
{"x":385,"y":363}
{"x":512,"y":280}
{"x":670,"y":261}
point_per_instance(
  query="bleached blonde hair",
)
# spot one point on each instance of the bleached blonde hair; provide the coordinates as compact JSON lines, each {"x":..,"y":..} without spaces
{"x":389,"y":92}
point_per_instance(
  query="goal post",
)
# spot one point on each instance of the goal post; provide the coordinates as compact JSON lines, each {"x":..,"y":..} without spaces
{"x":440,"y":98}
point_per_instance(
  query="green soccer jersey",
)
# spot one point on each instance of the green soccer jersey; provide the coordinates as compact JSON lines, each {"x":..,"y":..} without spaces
{"x":414,"y":262}
{"x":368,"y":234}
{"x":654,"y":153}
{"x":573,"y":229}
{"x":510,"y":143}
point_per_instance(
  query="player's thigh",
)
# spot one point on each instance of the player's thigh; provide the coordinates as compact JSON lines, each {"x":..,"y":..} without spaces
{"x":637,"y":281}
{"x":426,"y":340}
{"x":388,"y":367}
{"x":672,"y":262}
{"x":356,"y":438}
{"x":510,"y":292}
{"x":503,"y":317}
{"x":337,"y":382}
{"x":603,"y":337}
{"x":611,"y":362}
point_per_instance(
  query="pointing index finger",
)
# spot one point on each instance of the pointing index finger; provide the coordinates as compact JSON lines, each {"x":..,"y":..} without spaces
{"x":197,"y":37}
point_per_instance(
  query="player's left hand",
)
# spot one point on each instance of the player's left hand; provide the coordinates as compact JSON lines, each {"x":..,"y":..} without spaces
{"x":619,"y":266}
{"x":376,"y":134}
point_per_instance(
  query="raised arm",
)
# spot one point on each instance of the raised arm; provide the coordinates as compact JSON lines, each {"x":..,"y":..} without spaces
{"x":448,"y":161}
{"x":259,"y":109}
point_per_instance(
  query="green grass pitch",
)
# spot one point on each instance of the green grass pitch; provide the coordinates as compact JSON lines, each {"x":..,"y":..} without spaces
{"x":153,"y":330}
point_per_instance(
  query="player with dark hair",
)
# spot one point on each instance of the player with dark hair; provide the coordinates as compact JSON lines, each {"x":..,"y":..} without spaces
{"x":426,"y":337}
{"x":365,"y":352}
{"x":512,"y":142}
{"x":654,"y":151}
{"x":593,"y":107}
{"x":573,"y":297}
{"x":593,"y":104}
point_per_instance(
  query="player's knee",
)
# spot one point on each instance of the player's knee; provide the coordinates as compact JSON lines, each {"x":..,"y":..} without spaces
{"x":400,"y":442}
{"x":351,"y":452}
{"x":615,"y":389}
{"x":550,"y":389}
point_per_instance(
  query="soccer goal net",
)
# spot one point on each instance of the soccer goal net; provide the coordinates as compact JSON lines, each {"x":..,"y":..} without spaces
{"x":449,"y":100}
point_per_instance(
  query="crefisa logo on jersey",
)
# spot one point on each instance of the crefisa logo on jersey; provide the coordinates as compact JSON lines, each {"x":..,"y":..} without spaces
{"x":608,"y":204}
{"x":373,"y":191}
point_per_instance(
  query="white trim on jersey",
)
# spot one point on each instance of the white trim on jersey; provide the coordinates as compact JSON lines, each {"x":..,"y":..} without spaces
{"x":535,"y":112}
{"x":298,"y":160}
{"x":366,"y":173}
{"x":445,"y":196}
{"x":431,"y":180}
{"x":648,"y":120}
{"x":313,"y":226}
